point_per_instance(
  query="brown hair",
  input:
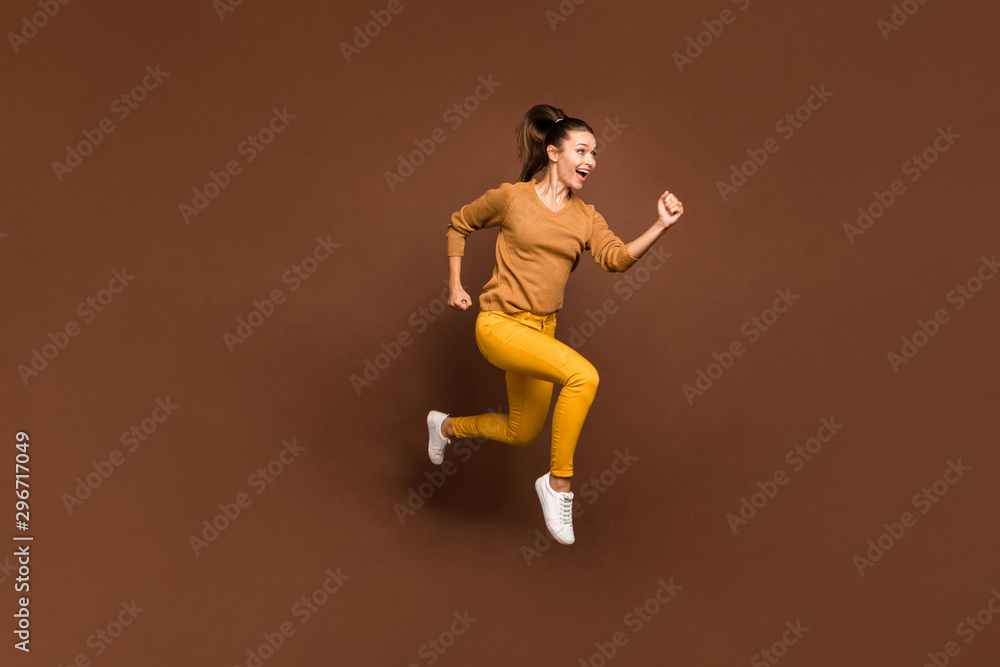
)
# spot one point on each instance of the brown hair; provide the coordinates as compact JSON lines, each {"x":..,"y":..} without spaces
{"x":542,"y":126}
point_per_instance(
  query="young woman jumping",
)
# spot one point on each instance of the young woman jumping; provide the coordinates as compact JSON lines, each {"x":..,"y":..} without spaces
{"x":544,"y":229}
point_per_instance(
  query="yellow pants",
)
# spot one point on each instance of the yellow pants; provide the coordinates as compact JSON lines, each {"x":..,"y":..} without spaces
{"x":524,"y":345}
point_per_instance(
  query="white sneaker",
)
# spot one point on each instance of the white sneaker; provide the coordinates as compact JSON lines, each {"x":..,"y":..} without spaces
{"x":437,"y":442}
{"x":557,"y":508}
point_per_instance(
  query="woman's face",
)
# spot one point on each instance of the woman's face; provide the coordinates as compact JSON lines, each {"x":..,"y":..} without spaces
{"x":577,"y":159}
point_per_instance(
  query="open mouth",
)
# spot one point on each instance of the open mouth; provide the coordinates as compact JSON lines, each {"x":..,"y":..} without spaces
{"x":582,"y":174}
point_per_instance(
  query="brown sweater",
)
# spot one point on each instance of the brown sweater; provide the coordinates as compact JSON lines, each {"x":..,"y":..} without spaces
{"x":537,"y":248}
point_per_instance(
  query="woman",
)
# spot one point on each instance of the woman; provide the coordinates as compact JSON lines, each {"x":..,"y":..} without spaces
{"x":544,"y":229}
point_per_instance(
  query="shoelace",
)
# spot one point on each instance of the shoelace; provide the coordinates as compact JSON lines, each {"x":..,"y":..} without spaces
{"x":565,"y":509}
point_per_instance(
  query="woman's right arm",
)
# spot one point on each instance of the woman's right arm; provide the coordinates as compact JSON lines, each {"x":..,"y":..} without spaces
{"x":459,"y":298}
{"x":487,"y":211}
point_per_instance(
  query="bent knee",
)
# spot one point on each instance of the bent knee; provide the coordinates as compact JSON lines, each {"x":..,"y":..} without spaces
{"x":586,"y":376}
{"x":522,"y":439}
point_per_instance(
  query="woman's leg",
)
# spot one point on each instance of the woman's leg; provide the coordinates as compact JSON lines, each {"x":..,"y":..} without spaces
{"x":528,"y":400}
{"x":525,"y":346}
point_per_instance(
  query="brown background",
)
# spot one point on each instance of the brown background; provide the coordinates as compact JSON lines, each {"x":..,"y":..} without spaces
{"x":323,"y":176}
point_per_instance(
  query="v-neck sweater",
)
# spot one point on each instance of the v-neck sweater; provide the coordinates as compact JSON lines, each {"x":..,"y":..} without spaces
{"x":537,"y":248}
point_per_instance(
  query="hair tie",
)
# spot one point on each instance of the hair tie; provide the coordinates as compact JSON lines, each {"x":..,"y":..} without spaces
{"x":558,"y":119}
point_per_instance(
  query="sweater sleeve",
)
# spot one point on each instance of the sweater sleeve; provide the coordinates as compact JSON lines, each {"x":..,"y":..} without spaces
{"x":608,"y":250}
{"x":487,"y":211}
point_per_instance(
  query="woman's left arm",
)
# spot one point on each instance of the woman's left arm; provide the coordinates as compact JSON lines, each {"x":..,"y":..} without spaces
{"x":669,"y":209}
